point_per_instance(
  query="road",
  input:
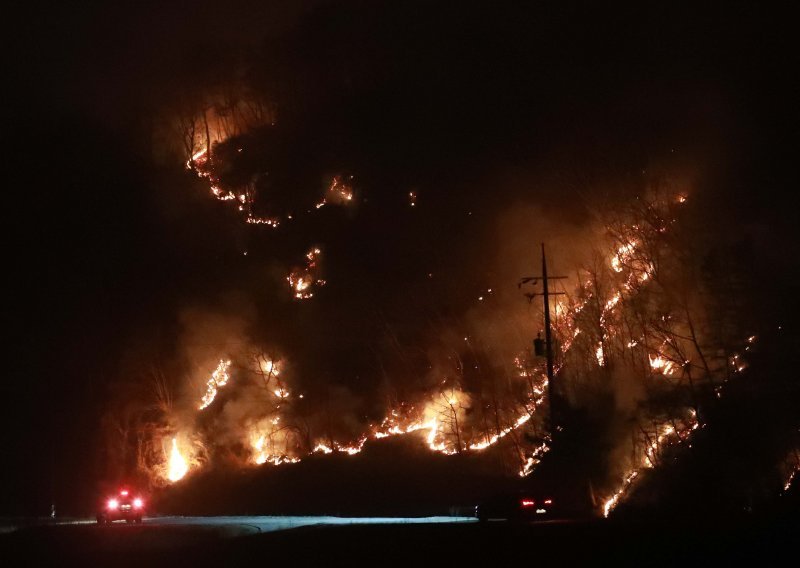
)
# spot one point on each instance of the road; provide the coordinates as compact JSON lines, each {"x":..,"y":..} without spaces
{"x":243,"y":525}
{"x":190,"y":542}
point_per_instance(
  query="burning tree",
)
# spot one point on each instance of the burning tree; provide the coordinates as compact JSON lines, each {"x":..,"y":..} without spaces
{"x":638,"y":324}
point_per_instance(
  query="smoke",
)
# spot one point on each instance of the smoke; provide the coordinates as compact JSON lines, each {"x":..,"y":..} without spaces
{"x":418,"y":316}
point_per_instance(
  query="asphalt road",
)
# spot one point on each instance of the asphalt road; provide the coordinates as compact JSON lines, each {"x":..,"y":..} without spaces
{"x":244,"y":525}
{"x":189,"y":542}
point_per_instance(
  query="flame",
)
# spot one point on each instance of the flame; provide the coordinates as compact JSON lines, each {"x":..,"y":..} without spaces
{"x":611,"y":503}
{"x":351,"y":449}
{"x":301,"y":280}
{"x":648,"y":460}
{"x":270,"y":368}
{"x":262,"y":456}
{"x":340,"y":191}
{"x":219,"y":378}
{"x":178,"y":467}
{"x":435,"y":426}
{"x":791,"y":477}
{"x":533,"y":460}
{"x":623,"y":255}
{"x":629,"y":257}
{"x":599,"y":355}
{"x":270,"y":221}
{"x":497,"y":437}
{"x":661,"y":365}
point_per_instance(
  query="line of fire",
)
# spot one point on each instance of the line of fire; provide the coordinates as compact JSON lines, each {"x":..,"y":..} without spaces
{"x":586,"y":389}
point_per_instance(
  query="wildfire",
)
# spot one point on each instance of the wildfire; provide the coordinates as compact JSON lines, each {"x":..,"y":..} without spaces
{"x":612,"y":502}
{"x":628,"y":256}
{"x":269,"y":367}
{"x":322,"y":448}
{"x":443,"y":422}
{"x":219,"y":378}
{"x":262,"y":456}
{"x":661,"y":438}
{"x":178,"y":467}
{"x":599,"y":355}
{"x":533,"y":460}
{"x":354,"y":448}
{"x":497,"y":437}
{"x":661,"y":365}
{"x":350,"y":450}
{"x":301,"y":280}
{"x":269,"y":221}
{"x":791,"y":477}
{"x":340,"y":192}
{"x":623,"y":256}
{"x":300,"y":284}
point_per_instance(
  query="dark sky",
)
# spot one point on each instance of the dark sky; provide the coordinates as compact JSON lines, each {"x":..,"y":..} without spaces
{"x":478,"y":106}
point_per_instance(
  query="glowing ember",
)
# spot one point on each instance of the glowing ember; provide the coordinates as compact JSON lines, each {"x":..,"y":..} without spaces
{"x":262,"y":456}
{"x":533,"y":460}
{"x":269,"y":221}
{"x":352,"y":449}
{"x":661,"y":365}
{"x":302,"y":280}
{"x":219,"y":378}
{"x":177,"y":463}
{"x":340,"y":192}
{"x":599,"y":355}
{"x":609,"y":505}
{"x":496,"y":438}
{"x":269,"y":367}
{"x":623,"y":255}
{"x":648,"y":460}
{"x":791,"y":477}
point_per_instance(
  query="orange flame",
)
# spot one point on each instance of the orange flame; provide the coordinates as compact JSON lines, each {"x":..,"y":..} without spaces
{"x":178,"y":467}
{"x":219,"y":378}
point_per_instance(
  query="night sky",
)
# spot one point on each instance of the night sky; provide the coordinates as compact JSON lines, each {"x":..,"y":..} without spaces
{"x":482,"y":109}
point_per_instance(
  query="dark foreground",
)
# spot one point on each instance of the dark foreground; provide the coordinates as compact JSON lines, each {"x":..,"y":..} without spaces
{"x":191,"y":542}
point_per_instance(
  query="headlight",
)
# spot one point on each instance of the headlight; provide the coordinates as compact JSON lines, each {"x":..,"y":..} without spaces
{"x":113,"y":504}
{"x":138,"y":503}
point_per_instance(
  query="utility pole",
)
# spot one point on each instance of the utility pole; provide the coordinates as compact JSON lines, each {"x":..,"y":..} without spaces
{"x":548,"y":334}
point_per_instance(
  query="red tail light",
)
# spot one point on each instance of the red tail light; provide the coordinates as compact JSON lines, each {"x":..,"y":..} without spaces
{"x":113,"y":504}
{"x":124,"y":492}
{"x":527,"y":503}
{"x":548,"y":501}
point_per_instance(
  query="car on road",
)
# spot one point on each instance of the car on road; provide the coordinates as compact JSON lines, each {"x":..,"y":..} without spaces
{"x":127,"y":505}
{"x":521,"y":506}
